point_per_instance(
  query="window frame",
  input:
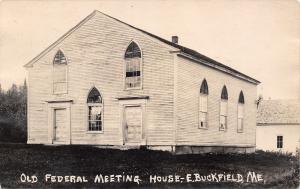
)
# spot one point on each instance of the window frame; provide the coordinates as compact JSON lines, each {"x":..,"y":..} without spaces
{"x":279,"y":143}
{"x":225,"y":128}
{"x":200,"y":111}
{"x":241,"y":102}
{"x":87,"y":115}
{"x":125,"y":66}
{"x":241,"y":98}
{"x":224,"y":89}
{"x":60,"y":51}
{"x":89,"y":120}
{"x":203,"y":94}
{"x":223,"y":100}
{"x":226,"y":115}
{"x":66,"y":65}
{"x":205,"y":86}
{"x":242,"y":126}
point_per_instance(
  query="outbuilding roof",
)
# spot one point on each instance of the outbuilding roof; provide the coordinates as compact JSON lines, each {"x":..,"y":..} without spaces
{"x":186,"y":52}
{"x":278,"y":112}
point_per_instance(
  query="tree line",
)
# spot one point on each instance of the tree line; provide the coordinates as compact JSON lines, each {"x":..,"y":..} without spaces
{"x":13,"y":116}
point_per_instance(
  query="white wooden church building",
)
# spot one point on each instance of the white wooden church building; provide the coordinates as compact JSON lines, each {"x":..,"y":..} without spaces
{"x":108,"y":83}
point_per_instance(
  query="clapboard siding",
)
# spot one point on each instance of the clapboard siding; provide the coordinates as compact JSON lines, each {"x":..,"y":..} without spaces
{"x":268,"y":142}
{"x":190,"y":77}
{"x":95,"y":54}
{"x":37,"y":96}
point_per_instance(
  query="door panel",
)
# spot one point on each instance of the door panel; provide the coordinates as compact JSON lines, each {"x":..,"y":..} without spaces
{"x":133,"y":124}
{"x":60,"y":125}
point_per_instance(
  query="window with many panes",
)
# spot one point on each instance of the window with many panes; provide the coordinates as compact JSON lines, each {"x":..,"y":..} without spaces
{"x":59,"y":73}
{"x":133,"y":66}
{"x":241,"y":102}
{"x":223,"y":109}
{"x":202,"y":123}
{"x":279,"y":141}
{"x":95,"y":111}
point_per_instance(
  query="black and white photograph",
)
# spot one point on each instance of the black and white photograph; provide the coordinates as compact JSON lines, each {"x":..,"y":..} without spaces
{"x":150,"y":94}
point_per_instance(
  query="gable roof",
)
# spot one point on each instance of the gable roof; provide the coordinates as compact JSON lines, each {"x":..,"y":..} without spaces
{"x":278,"y":112}
{"x":185,"y":52}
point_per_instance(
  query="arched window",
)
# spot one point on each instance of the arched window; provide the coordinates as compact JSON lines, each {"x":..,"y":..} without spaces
{"x":203,"y":96}
{"x":224,"y":94}
{"x":133,"y":51}
{"x":241,"y":98}
{"x":240,"y":115}
{"x":204,"y":87}
{"x":223,"y":109}
{"x":95,"y":108}
{"x":60,"y":58}
{"x":133,"y":66}
{"x":60,"y":70}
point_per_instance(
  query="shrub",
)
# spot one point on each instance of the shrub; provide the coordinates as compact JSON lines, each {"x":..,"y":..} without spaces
{"x":13,"y":118}
{"x":10,"y":132}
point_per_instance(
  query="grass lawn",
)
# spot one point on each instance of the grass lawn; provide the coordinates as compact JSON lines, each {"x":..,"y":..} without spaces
{"x":278,"y":171}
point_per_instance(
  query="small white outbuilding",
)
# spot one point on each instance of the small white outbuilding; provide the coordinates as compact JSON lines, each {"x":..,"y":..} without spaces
{"x":278,"y":125}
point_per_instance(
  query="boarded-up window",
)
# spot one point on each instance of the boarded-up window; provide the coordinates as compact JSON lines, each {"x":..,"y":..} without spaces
{"x":60,"y":71}
{"x":202,"y":123}
{"x":133,"y":66}
{"x":240,"y":118}
{"x":223,"y":122}
{"x":95,"y":108}
{"x":223,"y":109}
{"x":223,"y":115}
{"x":240,"y":115}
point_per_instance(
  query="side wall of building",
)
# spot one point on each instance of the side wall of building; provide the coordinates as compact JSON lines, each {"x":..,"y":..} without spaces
{"x":266,"y":137}
{"x":190,"y":77}
{"x":95,"y":54}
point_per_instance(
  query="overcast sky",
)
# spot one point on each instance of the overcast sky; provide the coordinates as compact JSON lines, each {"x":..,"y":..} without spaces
{"x":258,"y":38}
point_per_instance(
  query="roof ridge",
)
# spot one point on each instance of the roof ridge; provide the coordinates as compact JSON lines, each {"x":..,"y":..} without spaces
{"x":184,"y":49}
{"x":278,"y":112}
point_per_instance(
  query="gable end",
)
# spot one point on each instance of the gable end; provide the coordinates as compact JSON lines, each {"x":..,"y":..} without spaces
{"x":31,"y":62}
